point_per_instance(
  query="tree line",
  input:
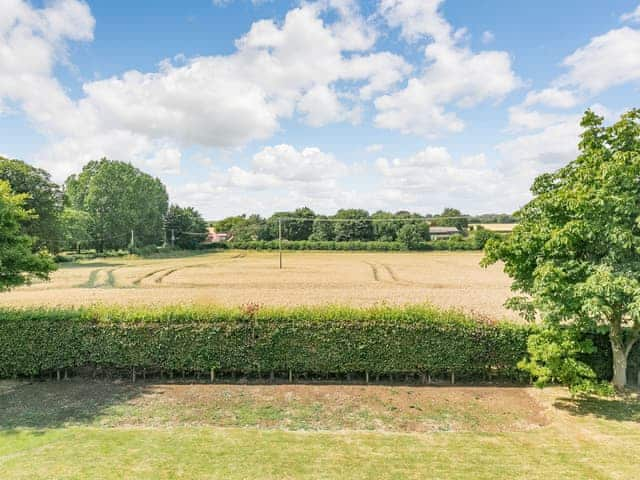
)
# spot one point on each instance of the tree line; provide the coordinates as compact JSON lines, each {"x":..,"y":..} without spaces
{"x":108,"y":205}
{"x":348,"y":225}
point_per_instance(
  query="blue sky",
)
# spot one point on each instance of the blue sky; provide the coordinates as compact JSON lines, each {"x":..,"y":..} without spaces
{"x":244,"y":106}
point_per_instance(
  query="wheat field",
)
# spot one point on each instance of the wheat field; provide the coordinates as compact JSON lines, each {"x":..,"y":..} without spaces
{"x":447,"y":279}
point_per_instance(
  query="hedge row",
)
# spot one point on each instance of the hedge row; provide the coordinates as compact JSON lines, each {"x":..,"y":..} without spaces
{"x":353,"y":246}
{"x":330,"y":340}
{"x":416,"y":340}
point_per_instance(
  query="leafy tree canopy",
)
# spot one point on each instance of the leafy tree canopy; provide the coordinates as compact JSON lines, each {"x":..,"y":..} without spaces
{"x":413,"y":234}
{"x":357,"y":227}
{"x":120,"y":198}
{"x":452,"y":217}
{"x":575,"y":255}
{"x":18,"y":263}
{"x":76,"y":228}
{"x":44,"y":200}
{"x":188,"y":226}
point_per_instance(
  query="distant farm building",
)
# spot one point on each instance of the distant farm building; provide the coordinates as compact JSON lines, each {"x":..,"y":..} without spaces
{"x":442,"y":232}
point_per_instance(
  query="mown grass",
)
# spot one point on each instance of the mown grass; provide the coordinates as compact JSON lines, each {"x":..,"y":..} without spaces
{"x":583,"y":439}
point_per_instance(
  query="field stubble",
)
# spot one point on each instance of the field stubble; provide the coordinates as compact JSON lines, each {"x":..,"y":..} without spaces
{"x":446,"y":279}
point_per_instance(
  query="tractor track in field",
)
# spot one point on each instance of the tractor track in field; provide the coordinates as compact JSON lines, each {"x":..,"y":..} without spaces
{"x":384,"y":273}
{"x":374,"y":271}
{"x":168,"y":272}
{"x":391,"y":272}
{"x":139,"y":280}
{"x":94,"y":278}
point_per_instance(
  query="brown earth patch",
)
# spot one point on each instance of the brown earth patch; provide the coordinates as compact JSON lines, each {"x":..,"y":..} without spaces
{"x":338,"y":407}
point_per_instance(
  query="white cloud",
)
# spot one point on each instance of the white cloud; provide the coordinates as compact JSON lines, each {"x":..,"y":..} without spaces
{"x":608,"y":60}
{"x":552,"y":97}
{"x":488,"y":37}
{"x":279,"y":177}
{"x":432,"y":178}
{"x":632,"y":17}
{"x":321,"y":106}
{"x":417,"y":19}
{"x":453,"y":73}
{"x":374,"y":147}
{"x":286,"y":164}
{"x":321,"y":70}
{"x":521,"y":118}
{"x":548,"y":149}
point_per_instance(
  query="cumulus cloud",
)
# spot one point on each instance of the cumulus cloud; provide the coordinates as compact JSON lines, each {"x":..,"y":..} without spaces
{"x":278,"y":177}
{"x":374,"y":147}
{"x":432,"y":178}
{"x":453,"y":74}
{"x":632,"y":17}
{"x":551,"y":147}
{"x":307,"y":66}
{"x":488,"y":37}
{"x":552,"y":97}
{"x":606,"y":61}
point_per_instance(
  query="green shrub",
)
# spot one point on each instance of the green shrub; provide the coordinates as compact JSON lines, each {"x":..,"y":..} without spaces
{"x":355,"y":245}
{"x":411,"y":340}
{"x":330,"y":340}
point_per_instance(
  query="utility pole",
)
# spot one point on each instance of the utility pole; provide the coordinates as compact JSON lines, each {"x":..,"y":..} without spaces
{"x":132,"y":240}
{"x":173,"y":237}
{"x":280,"y":240}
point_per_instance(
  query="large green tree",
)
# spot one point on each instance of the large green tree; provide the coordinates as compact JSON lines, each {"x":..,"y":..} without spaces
{"x":245,"y":228}
{"x":45,"y":200}
{"x":322,"y":229}
{"x":413,"y":234}
{"x":75,"y":226}
{"x":354,"y":224}
{"x":575,"y":255}
{"x":120,"y":199}
{"x":18,"y":263}
{"x":187,"y":225}
{"x":296,"y":225}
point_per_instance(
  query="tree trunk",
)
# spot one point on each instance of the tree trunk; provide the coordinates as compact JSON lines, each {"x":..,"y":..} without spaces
{"x":619,"y":364}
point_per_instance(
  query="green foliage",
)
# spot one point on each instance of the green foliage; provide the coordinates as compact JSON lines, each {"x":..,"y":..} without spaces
{"x":244,"y":228}
{"x":412,"y":235}
{"x":358,"y":226}
{"x":322,"y":229}
{"x":18,"y":263}
{"x":453,"y":244}
{"x":44,"y":201}
{"x":575,"y":255}
{"x":409,"y":340}
{"x":481,"y":236}
{"x":119,"y":198}
{"x":298,"y":229}
{"x":453,"y":219}
{"x":75,"y":226}
{"x":188,"y":226}
{"x":554,"y":357}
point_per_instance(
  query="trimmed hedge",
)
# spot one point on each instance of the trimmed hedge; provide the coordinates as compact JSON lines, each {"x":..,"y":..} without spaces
{"x":416,"y":340}
{"x":330,"y":340}
{"x":352,"y":246}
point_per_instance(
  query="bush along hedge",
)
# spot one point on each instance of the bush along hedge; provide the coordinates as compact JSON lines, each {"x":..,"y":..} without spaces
{"x":420,"y":341}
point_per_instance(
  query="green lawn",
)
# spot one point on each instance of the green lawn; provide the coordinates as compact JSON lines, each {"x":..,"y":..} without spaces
{"x":48,"y":431}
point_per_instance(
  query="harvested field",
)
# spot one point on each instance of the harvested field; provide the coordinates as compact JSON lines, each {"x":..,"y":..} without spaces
{"x":447,"y":279}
